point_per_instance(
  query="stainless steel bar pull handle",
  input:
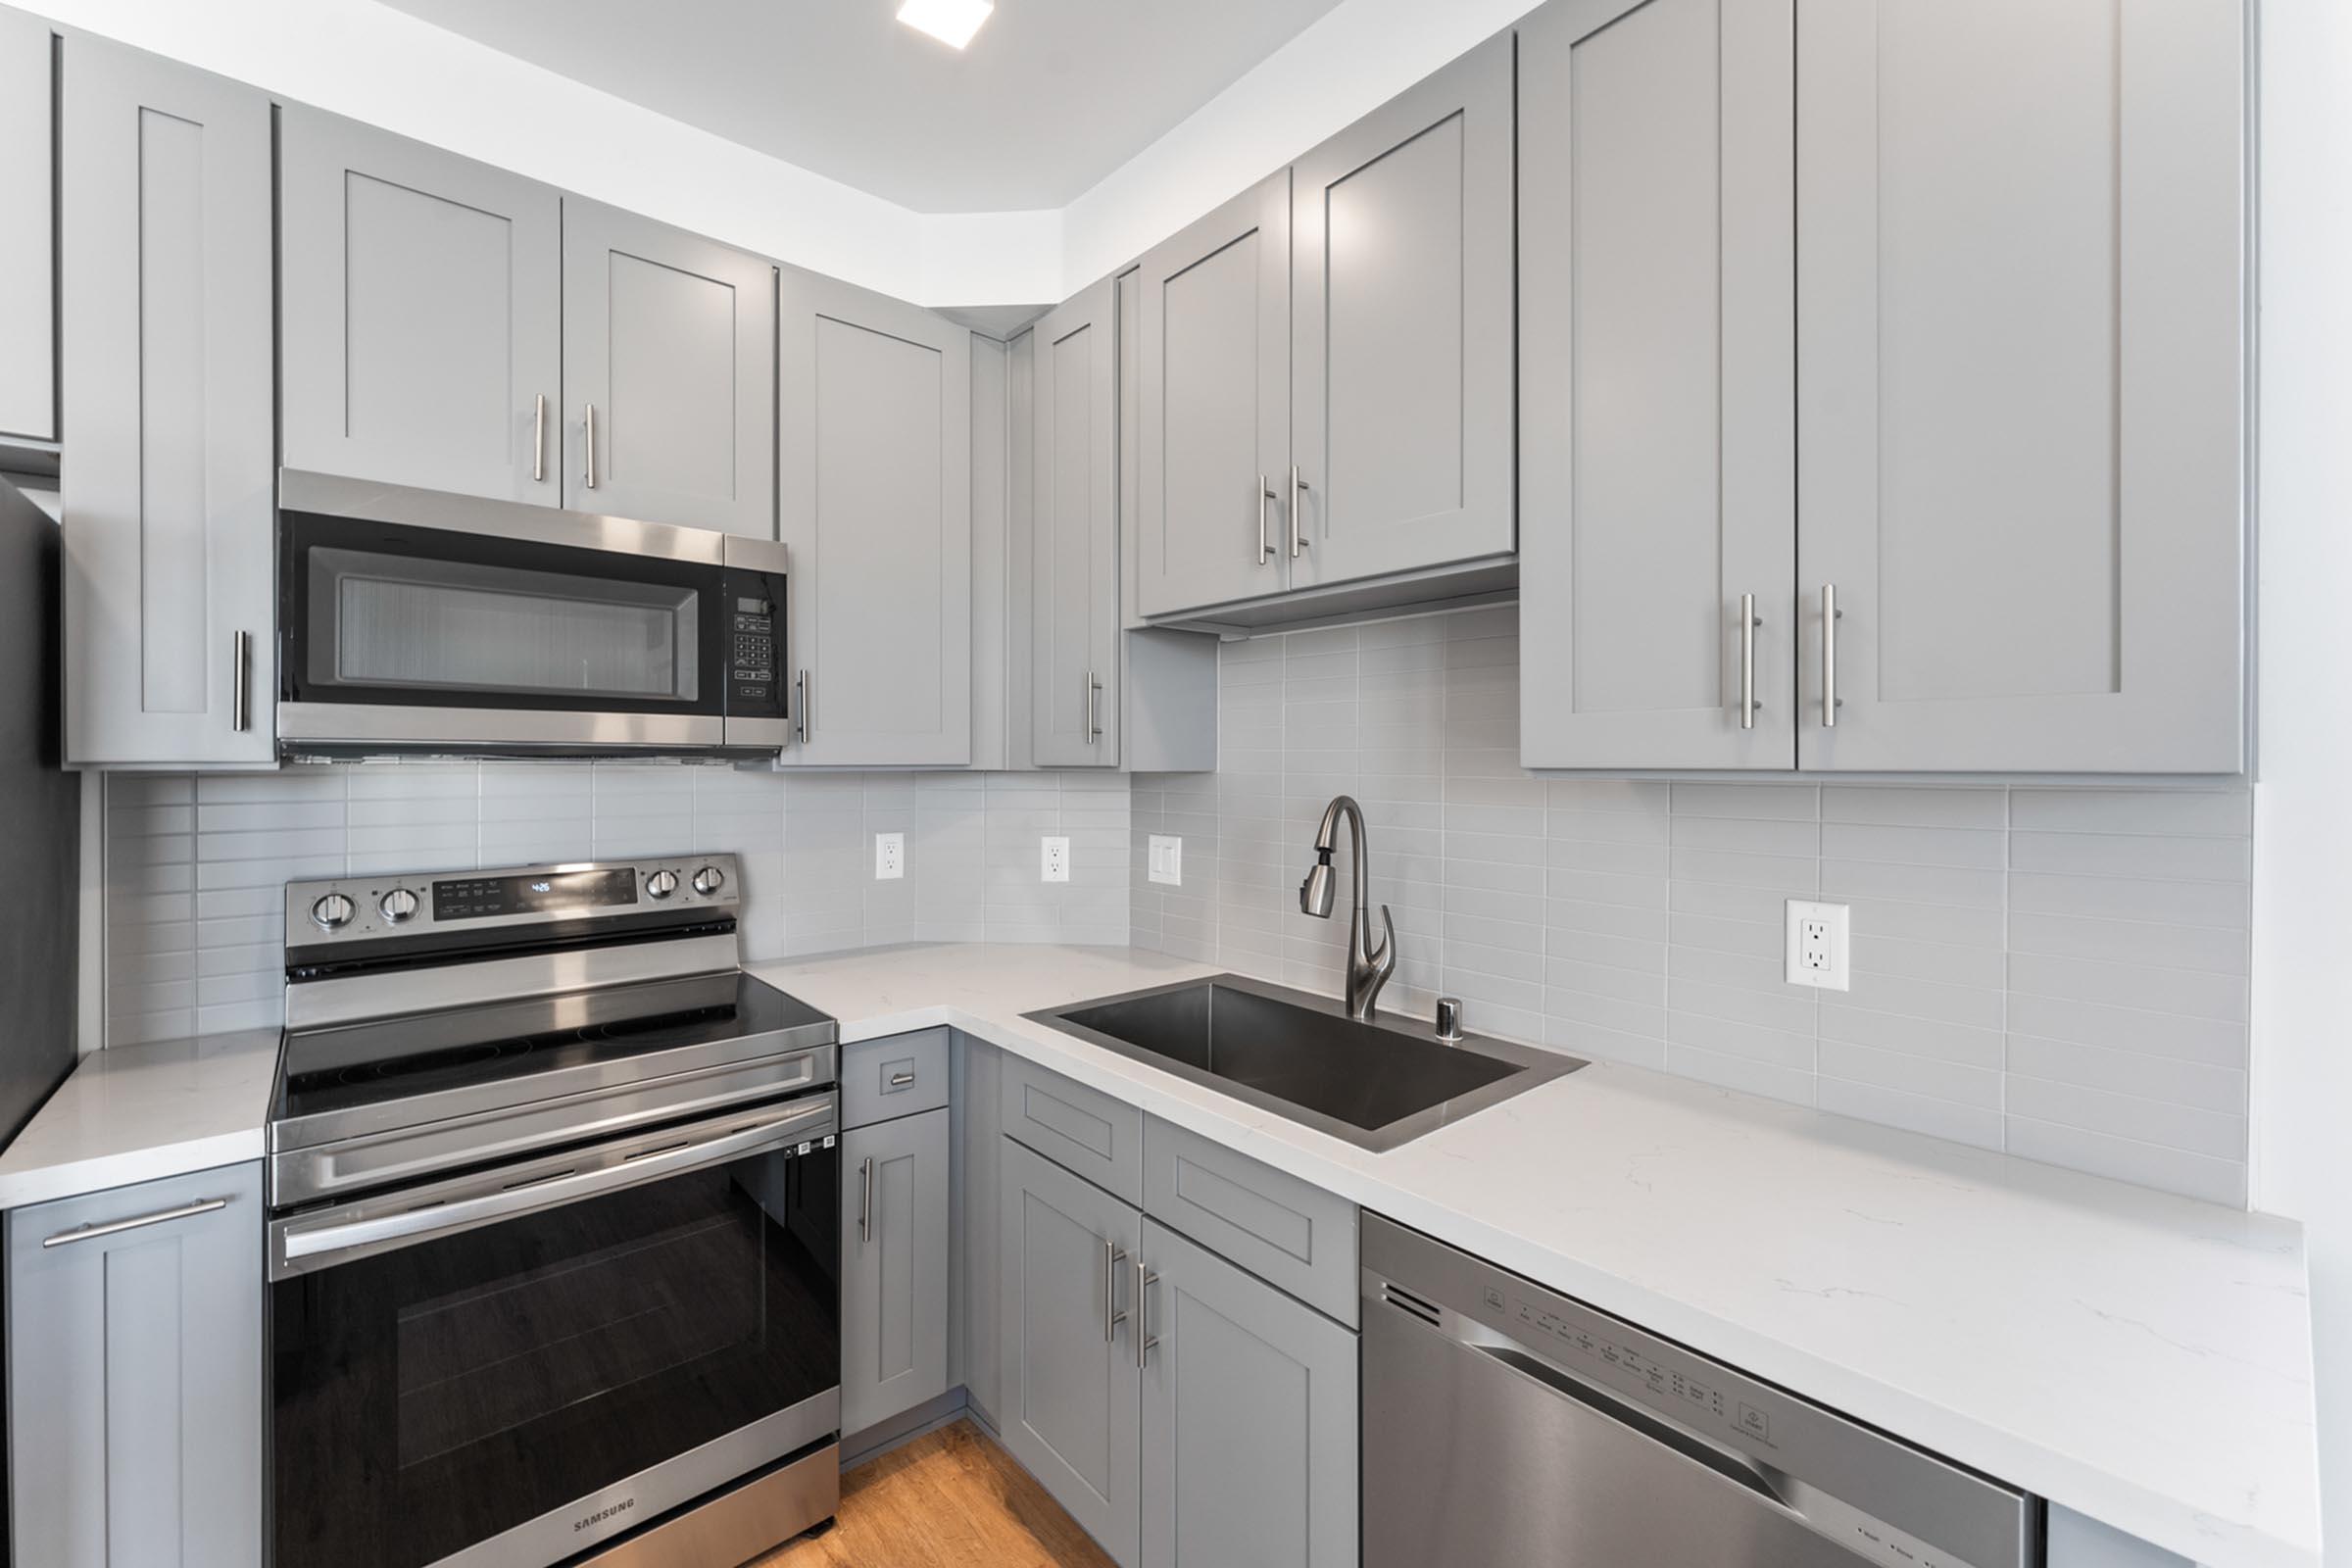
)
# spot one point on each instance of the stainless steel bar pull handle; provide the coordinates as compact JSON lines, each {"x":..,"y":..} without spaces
{"x":1146,"y":1342}
{"x":1113,"y":1254}
{"x":1829,"y":612}
{"x":1748,"y":705}
{"x":539,"y":437}
{"x":240,"y":676}
{"x":116,"y":1227}
{"x":1265,"y":547}
{"x":1298,"y":531}
{"x":865,"y":1199}
{"x":1094,"y":699}
{"x":800,"y":704}
{"x":900,"y":1080}
{"x":590,"y":446}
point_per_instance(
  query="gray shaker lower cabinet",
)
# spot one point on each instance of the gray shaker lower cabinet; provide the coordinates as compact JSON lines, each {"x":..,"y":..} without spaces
{"x":1070,"y":1385}
{"x":1250,"y":1419}
{"x":167,"y":504}
{"x":894,"y":1287}
{"x":134,"y":1375}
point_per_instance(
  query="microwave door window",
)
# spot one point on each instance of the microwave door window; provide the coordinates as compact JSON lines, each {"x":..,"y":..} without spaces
{"x":396,"y":623}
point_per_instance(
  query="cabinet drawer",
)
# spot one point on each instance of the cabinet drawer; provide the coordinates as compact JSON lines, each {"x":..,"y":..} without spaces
{"x":894,"y":1076}
{"x":1099,"y":1137}
{"x":1290,"y":1233}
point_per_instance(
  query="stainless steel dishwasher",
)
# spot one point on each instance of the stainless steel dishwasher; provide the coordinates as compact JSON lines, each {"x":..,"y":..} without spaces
{"x":1506,"y":1426}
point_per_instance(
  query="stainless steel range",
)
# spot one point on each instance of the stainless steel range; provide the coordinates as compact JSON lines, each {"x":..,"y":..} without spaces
{"x":555,"y":1243}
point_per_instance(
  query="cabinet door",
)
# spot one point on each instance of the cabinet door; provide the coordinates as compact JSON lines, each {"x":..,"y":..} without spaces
{"x":168,"y":503}
{"x":874,"y":448}
{"x":1657,"y":380}
{"x":28,"y":195}
{"x":1216,"y":405}
{"x":1069,"y":1365}
{"x":669,"y":344}
{"x":1401,"y":347}
{"x":1250,"y":1419}
{"x":134,"y":1374}
{"x":893,"y":1286}
{"x":422,"y":313}
{"x":1075,"y":528}
{"x":2021,"y":314}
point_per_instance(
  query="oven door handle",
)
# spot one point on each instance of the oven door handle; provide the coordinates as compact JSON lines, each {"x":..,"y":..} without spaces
{"x":307,"y":1244}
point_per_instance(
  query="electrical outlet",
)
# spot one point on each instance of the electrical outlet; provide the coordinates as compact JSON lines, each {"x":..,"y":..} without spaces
{"x":1166,"y":859}
{"x":890,"y":857}
{"x":1055,"y":859}
{"x":1817,"y":946}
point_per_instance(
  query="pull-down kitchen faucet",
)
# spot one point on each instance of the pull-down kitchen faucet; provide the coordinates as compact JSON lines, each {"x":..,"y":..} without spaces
{"x":1368,"y":968}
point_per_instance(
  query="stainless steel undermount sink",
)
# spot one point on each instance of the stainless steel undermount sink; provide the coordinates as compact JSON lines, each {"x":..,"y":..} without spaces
{"x":1376,"y":1085}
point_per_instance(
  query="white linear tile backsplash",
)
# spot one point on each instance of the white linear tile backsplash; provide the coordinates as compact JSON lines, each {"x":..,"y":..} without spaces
{"x":195,"y":865}
{"x":2060,"y":973}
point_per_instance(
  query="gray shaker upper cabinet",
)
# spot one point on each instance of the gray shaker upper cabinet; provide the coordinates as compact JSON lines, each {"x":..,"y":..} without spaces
{"x":1215,"y":443}
{"x":168,"y":501}
{"x":28,"y":195}
{"x":669,"y":344}
{"x":1657,"y":380}
{"x":874,"y":449}
{"x":2022,"y":231}
{"x":422,"y":313}
{"x":1401,"y":333}
{"x":1074,"y":588}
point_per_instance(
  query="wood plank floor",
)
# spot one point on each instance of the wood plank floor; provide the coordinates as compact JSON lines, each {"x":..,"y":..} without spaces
{"x":949,"y":1500}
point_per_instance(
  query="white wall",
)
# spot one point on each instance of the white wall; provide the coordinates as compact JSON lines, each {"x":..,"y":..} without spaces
{"x":365,"y":60}
{"x":2303,"y":800}
{"x":1358,"y":56}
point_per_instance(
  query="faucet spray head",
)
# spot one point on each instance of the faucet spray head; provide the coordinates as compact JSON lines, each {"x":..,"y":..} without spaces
{"x":1314,"y":894}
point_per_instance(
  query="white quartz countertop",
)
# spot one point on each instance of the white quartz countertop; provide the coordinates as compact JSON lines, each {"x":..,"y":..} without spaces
{"x":2140,"y":1358}
{"x":137,"y":1114}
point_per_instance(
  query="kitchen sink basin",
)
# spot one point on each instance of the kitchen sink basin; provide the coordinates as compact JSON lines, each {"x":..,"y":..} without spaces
{"x":1377,"y":1085}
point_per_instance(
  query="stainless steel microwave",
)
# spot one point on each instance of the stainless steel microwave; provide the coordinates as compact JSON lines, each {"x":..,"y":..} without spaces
{"x":415,"y":621}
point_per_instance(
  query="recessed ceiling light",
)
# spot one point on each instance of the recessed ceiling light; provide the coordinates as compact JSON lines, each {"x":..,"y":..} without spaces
{"x":952,"y":22}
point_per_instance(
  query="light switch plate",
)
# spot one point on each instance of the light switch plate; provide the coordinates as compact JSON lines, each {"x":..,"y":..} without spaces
{"x":890,"y":857}
{"x":1818,"y":942}
{"x":1054,"y":860}
{"x":1165,"y":854}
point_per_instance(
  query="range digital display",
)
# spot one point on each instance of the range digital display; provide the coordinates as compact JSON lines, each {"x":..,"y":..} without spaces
{"x":477,"y":898}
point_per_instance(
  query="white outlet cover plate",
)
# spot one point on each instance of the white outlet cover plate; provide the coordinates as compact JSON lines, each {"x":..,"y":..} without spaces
{"x":1818,"y":946}
{"x":1166,"y":859}
{"x":890,"y":857}
{"x":1054,"y":860}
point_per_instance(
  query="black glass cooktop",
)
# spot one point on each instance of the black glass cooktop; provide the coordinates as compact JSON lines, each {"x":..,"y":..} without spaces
{"x":369,"y":1064}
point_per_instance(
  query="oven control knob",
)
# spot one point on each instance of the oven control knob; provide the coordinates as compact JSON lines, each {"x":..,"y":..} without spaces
{"x":662,"y":884}
{"x":332,"y":912}
{"x":399,"y":906}
{"x":708,"y":880}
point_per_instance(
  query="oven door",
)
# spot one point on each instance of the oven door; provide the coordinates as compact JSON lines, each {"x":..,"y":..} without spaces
{"x":507,"y":1367}
{"x":413,"y":620}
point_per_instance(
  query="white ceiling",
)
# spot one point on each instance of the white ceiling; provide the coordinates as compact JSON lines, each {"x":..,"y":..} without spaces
{"x":1050,"y":96}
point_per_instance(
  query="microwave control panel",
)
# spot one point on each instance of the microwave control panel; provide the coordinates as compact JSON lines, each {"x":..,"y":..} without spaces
{"x":755,"y":615}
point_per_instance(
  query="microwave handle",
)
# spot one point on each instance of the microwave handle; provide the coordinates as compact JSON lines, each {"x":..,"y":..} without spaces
{"x":306,"y":1244}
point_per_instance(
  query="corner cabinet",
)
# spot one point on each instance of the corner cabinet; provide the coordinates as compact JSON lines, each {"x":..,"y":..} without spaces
{"x":1074,"y":526}
{"x":669,"y":364}
{"x":2021,"y":249}
{"x":1967,"y":345}
{"x":168,"y":500}
{"x":27,"y":255}
{"x":1657,"y":362}
{"x":423,"y":314}
{"x":874,"y":454}
{"x":134,"y":1375}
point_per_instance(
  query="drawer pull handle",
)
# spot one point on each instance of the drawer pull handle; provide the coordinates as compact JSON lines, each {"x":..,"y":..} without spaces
{"x":900,"y":1080}
{"x":116,"y":1227}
